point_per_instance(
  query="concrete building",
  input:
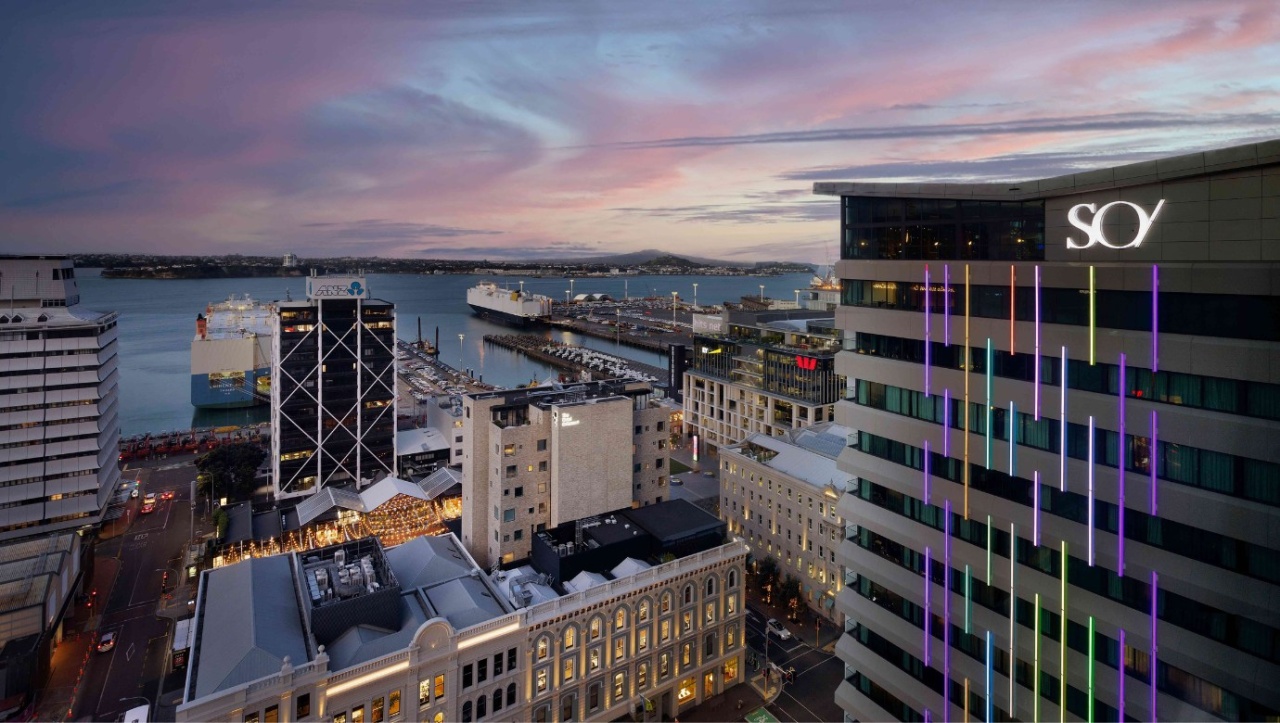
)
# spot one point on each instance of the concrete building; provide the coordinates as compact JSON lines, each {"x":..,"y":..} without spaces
{"x":537,"y":457}
{"x":333,"y":395}
{"x":421,"y":451}
{"x":779,"y":494}
{"x":1066,"y":400}
{"x":353,"y":634}
{"x":59,"y":429}
{"x":761,"y":372}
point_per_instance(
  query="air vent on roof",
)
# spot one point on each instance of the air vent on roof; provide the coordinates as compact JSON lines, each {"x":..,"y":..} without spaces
{"x":1016,"y":188}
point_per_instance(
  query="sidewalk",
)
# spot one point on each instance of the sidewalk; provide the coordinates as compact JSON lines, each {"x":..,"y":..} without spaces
{"x":734,"y":704}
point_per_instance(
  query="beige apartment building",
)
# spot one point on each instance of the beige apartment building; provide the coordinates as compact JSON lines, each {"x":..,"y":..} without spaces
{"x":537,"y":457}
{"x":779,"y":494}
{"x":420,"y":633}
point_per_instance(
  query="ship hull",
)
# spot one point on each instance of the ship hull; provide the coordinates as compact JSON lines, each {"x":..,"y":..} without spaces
{"x":503,"y":317}
{"x":230,"y":391}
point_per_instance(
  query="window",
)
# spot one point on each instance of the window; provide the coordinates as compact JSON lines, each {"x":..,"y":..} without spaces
{"x":596,"y":624}
{"x":731,"y":605}
{"x":710,"y":613}
{"x":688,"y":594}
{"x":686,"y":622}
{"x":642,"y":676}
{"x":733,"y":579}
{"x":542,"y":713}
{"x":248,"y":717}
{"x":730,"y":637}
{"x":570,"y":638}
{"x":542,"y":467}
{"x":509,"y":514}
{"x":541,"y":649}
{"x":467,"y":676}
{"x":509,"y":450}
{"x":481,"y":705}
{"x":517,"y":535}
{"x":643,"y":615}
{"x":709,"y":646}
{"x":520,"y":491}
{"x":497,"y":664}
{"x":619,"y":686}
{"x":340,"y":718}
{"x":542,"y":445}
{"x":686,"y":655}
{"x":619,"y":648}
{"x":688,"y":689}
{"x":376,"y":710}
{"x":511,"y":658}
{"x":271,"y":714}
{"x":393,"y":704}
{"x":594,"y":692}
{"x":593,"y":660}
{"x":664,"y":666}
{"x":568,"y":706}
{"x":511,"y":471}
{"x":497,"y":700}
{"x":439,"y":684}
{"x":540,"y":681}
{"x":664,"y":631}
{"x":665,"y":605}
{"x":482,"y":672}
{"x":304,"y":705}
{"x":620,"y":619}
{"x":511,"y":694}
{"x":642,"y":640}
{"x":357,"y":714}
{"x":567,"y":671}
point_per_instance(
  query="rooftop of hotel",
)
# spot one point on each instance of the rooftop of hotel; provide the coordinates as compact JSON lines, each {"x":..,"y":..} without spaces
{"x":807,"y":454}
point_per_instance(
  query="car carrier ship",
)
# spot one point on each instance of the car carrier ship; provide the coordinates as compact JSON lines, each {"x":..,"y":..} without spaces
{"x":231,"y":355}
{"x":517,"y":308}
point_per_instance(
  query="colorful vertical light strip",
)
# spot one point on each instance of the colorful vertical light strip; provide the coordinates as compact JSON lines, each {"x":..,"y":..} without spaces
{"x":1154,"y":646}
{"x":946,"y":615}
{"x":1124,"y":446}
{"x":966,"y":701}
{"x":990,"y":537}
{"x":1062,"y":427}
{"x":1062,"y":648}
{"x":1037,"y":370}
{"x":946,"y":423}
{"x":946,"y":304}
{"x":968,"y":372}
{"x":990,"y":703}
{"x":1091,"y":669}
{"x":1120,"y":682}
{"x":927,"y":339}
{"x":1154,"y":454}
{"x":1035,"y":687}
{"x":1013,"y":438}
{"x":1155,"y":318}
{"x":926,"y":471}
{"x":968,"y":598}
{"x":928,"y":620}
{"x":1091,"y":505}
{"x":1035,"y":505}
{"x":1013,"y":615}
{"x":1093,"y":317}
{"x":990,"y":404}
{"x":1013,"y":288}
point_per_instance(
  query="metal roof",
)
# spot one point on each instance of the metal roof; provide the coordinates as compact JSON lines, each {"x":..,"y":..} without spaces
{"x":388,"y":489}
{"x":326,"y":499}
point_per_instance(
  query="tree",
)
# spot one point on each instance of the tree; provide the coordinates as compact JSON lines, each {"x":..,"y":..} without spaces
{"x":766,"y":571}
{"x":791,"y":595}
{"x":230,"y":470}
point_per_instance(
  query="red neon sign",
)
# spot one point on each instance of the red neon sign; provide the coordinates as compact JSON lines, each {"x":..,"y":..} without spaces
{"x":806,"y":363}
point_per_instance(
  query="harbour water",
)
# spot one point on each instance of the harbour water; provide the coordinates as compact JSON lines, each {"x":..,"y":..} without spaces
{"x":157,"y":322}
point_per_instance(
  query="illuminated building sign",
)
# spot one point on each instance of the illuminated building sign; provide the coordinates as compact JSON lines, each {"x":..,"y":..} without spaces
{"x":806,"y":363}
{"x":337,"y":287}
{"x":1094,"y":227}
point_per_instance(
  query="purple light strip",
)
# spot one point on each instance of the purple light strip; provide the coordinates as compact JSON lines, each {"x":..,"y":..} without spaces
{"x":927,"y":351}
{"x":946,"y":618}
{"x":1123,"y":447}
{"x":946,"y":423}
{"x":1154,"y":646}
{"x":1155,"y":447}
{"x":1062,"y":428}
{"x":1120,"y":717}
{"x":946,"y":304}
{"x":1013,"y":439}
{"x":1037,"y":410}
{"x":1091,"y":505}
{"x":928,"y":621}
{"x":926,"y":471}
{"x":1035,"y":502}
{"x":1155,"y":318}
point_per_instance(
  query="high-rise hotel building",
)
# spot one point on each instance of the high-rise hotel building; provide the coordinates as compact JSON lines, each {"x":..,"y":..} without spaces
{"x":59,"y":429}
{"x":333,"y":391}
{"x":1065,"y":404}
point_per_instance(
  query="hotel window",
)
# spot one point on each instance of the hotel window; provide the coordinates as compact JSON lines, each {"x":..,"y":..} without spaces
{"x":643,"y":615}
{"x":593,"y":660}
{"x":731,"y":605}
{"x":376,"y":710}
{"x":271,"y":714}
{"x":688,"y":689}
{"x":467,"y":676}
{"x":733,"y":579}
{"x":511,"y":659}
{"x":686,"y":622}
{"x":439,"y":684}
{"x":497,"y":664}
{"x":567,"y":673}
{"x":511,"y":694}
{"x":304,"y":706}
{"x":710,"y":613}
{"x":730,"y":669}
{"x":541,"y":648}
{"x":665,"y":605}
{"x":642,"y":640}
{"x":619,"y":687}
{"x":482,"y":670}
{"x":709,"y":646}
{"x":619,"y":648}
{"x":686,"y":655}
{"x":481,"y":707}
{"x":730,"y":637}
{"x":664,"y":631}
{"x":594,"y":692}
{"x":542,"y":713}
{"x":439,"y":717}
{"x":620,"y":619}
{"x":509,"y":450}
{"x":393,"y":704}
{"x":595,"y":626}
{"x":497,"y":700}
{"x":688,"y":594}
{"x":357,"y":714}
{"x":424,"y":693}
{"x":664,"y":666}
{"x":570,"y":638}
{"x":642,"y":676}
{"x":568,"y":706}
{"x":540,"y":681}
{"x":340,"y":717}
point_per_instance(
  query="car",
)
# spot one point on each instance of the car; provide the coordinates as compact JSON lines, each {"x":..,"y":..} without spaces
{"x":149,"y":498}
{"x":107,"y":642}
{"x":166,"y":495}
{"x":148,"y":509}
{"x":773,"y":627}
{"x":133,"y":494}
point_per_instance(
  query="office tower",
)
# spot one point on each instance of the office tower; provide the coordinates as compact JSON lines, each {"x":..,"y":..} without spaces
{"x":59,"y":429}
{"x":760,"y":372}
{"x":536,"y":457}
{"x":333,"y":394}
{"x":1065,"y":396}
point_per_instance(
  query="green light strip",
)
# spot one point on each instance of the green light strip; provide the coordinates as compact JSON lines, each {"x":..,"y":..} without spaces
{"x":1090,"y":719}
{"x":1035,"y":714}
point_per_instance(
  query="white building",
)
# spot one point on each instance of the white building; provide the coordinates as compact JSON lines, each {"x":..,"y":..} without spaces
{"x":59,"y":430}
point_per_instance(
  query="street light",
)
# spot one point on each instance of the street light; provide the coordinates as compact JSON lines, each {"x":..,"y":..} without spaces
{"x":762,"y":293}
{"x":570,"y":286}
{"x":460,"y":351}
{"x":566,"y":295}
{"x":675,"y":296}
{"x":695,"y":296}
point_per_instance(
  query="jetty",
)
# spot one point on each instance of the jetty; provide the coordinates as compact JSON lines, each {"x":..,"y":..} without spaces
{"x":570,"y":357}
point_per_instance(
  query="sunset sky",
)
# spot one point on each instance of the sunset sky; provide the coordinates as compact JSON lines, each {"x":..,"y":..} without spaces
{"x":537,"y":129}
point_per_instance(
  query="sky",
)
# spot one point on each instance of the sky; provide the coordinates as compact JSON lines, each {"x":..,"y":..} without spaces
{"x":557,"y":129}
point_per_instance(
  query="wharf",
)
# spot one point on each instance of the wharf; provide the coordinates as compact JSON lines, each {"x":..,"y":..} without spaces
{"x":538,"y":348}
{"x":660,"y":342}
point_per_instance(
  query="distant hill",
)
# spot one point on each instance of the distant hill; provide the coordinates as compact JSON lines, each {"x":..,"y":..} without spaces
{"x":673,"y":260}
{"x":646,"y":257}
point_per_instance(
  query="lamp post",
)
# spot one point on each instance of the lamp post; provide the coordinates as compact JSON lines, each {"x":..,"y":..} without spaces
{"x":762,"y":293}
{"x":461,"y":352}
{"x":695,"y":296}
{"x":566,"y":296}
{"x":570,"y":287}
{"x":675,"y":297}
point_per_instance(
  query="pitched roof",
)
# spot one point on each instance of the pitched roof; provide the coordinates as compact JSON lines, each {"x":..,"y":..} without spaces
{"x":387,"y":489}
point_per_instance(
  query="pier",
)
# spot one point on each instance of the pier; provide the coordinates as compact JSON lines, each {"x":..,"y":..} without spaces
{"x":659,"y":342}
{"x":577,"y":358}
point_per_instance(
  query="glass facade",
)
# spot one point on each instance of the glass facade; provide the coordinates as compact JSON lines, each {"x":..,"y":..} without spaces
{"x":933,"y":228}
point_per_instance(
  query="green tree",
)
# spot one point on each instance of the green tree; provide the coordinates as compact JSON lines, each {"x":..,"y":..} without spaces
{"x":766,"y":572}
{"x":791,"y":595}
{"x":230,"y":470}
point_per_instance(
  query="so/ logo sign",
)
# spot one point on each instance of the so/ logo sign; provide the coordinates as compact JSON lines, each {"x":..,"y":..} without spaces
{"x":1094,"y":227}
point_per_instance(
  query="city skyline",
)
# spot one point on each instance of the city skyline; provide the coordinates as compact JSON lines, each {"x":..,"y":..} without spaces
{"x":552,"y":130}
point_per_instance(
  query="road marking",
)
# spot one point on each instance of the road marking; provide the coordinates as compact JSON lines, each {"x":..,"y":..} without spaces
{"x":128,"y":654}
{"x":141,"y":536}
{"x":813,"y":716}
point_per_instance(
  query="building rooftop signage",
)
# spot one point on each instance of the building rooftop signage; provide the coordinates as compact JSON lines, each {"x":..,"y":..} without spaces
{"x":337,"y":287}
{"x":1094,"y":227}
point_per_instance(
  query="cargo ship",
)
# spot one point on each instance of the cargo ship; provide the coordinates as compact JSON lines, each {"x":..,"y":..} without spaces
{"x":231,"y":355}
{"x":517,"y":308}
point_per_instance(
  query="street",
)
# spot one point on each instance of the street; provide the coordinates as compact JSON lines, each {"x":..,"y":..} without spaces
{"x":811,"y":694}
{"x":152,"y":545}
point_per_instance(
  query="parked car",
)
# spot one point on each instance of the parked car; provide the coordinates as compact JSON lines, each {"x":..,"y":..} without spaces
{"x":775,"y":628}
{"x":107,"y":642}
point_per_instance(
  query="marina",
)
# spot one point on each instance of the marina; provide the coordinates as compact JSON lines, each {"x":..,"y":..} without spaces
{"x":577,"y":359}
